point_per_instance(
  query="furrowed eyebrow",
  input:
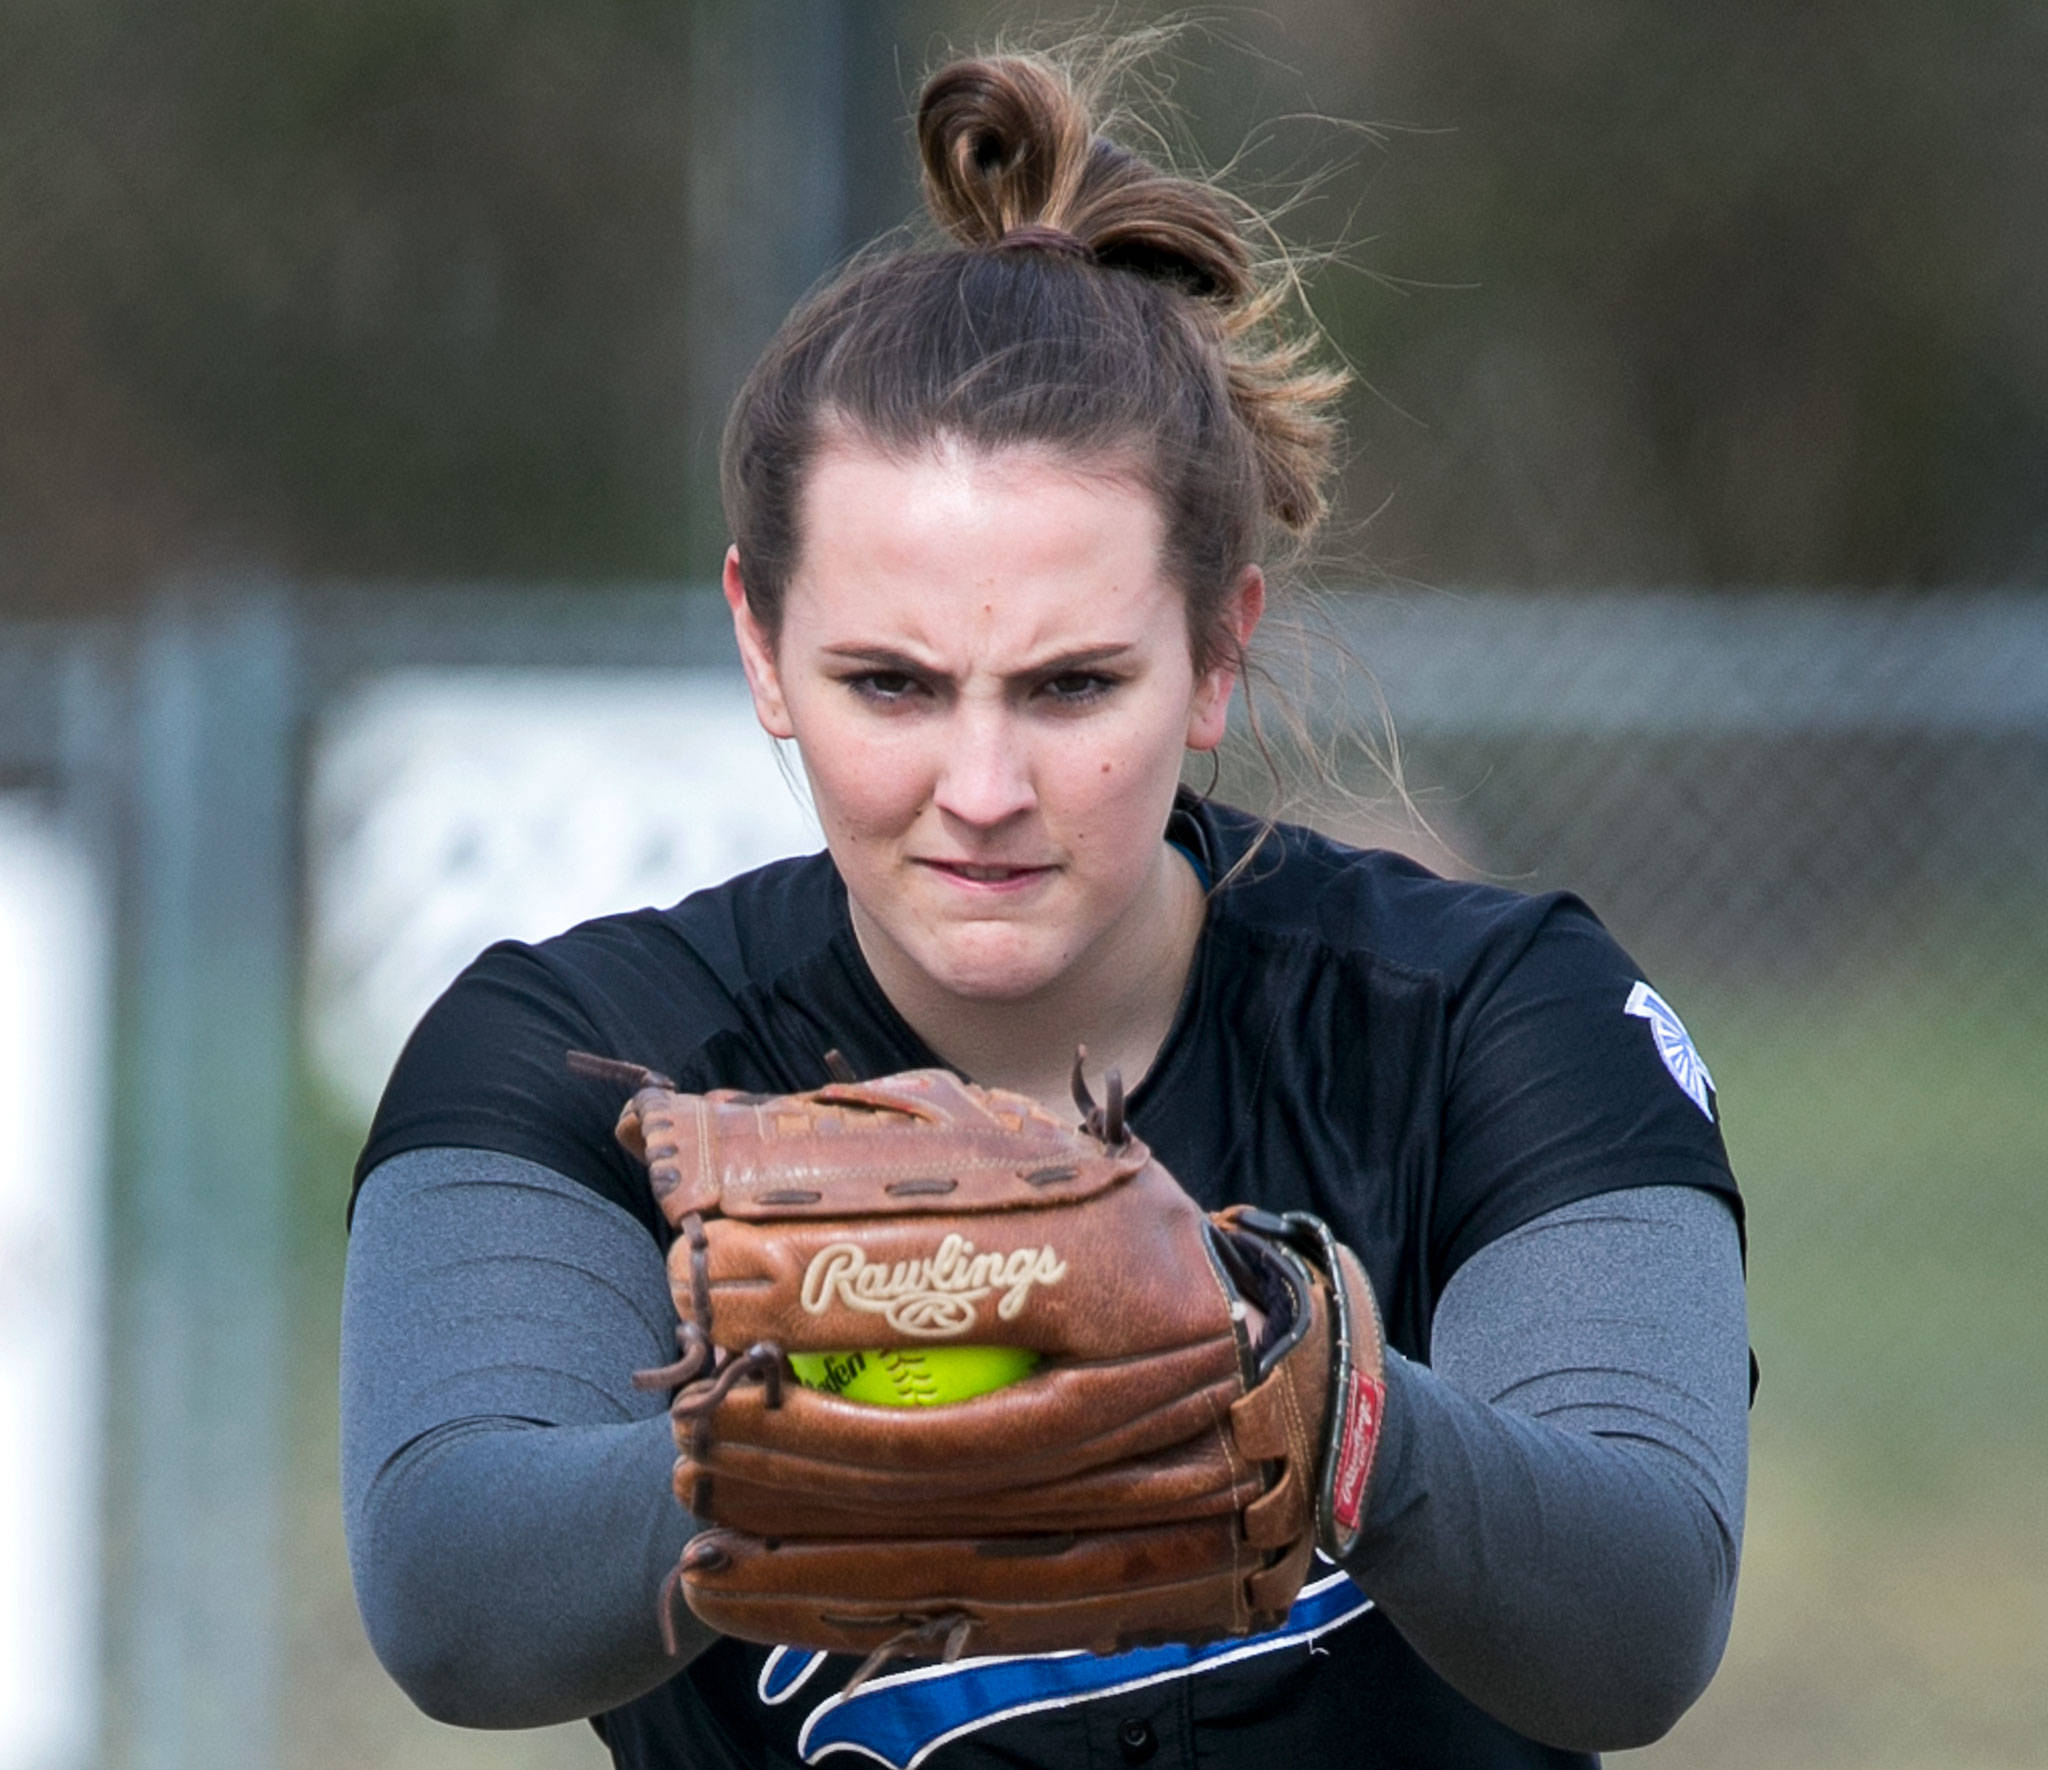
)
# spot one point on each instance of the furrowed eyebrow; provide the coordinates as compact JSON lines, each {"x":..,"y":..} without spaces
{"x":881,"y":657}
{"x":1088,"y":659}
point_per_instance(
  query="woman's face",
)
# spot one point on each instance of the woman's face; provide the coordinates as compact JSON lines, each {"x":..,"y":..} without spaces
{"x":988,"y":675}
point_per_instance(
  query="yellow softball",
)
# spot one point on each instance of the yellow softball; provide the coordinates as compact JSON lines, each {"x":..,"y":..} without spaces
{"x":913,"y":1377}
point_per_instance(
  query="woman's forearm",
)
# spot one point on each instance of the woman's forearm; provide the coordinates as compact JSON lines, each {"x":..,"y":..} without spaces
{"x":509,"y":1574}
{"x":1556,"y":1522}
{"x":505,"y":1487}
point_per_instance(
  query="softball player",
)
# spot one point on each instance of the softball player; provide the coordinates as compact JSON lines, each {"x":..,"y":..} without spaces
{"x":999,"y":509}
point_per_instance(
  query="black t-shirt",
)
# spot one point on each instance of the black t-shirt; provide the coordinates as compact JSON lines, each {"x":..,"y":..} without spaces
{"x":1425,"y":1064}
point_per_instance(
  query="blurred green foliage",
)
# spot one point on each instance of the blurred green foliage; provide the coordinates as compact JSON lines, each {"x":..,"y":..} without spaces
{"x":387,"y":288}
{"x":1755,"y":289}
{"x":1890,"y":1146}
{"x":1647,"y":292}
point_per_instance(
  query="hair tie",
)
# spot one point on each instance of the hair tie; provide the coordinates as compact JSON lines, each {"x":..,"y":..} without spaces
{"x":1043,"y":237}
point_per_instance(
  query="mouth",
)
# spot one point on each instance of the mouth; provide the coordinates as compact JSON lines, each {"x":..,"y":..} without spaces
{"x":986,"y":875}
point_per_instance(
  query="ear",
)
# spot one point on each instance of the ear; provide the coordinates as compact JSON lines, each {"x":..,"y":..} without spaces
{"x":757,"y":655}
{"x":1209,"y":713}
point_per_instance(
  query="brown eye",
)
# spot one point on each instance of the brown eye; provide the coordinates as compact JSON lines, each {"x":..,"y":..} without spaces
{"x":1076,"y":688}
{"x":885,"y":687}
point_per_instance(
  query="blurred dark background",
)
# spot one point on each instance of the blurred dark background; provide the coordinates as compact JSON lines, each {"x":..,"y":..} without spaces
{"x":1646,"y":293}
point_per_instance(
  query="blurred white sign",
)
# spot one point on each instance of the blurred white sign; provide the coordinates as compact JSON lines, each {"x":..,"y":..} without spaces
{"x":52,"y":1088}
{"x":452,"y":809}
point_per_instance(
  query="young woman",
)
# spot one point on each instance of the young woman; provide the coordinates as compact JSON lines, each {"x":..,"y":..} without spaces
{"x":998,"y":513}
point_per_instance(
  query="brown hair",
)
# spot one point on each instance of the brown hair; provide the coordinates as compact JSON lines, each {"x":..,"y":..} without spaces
{"x":1090,"y":302}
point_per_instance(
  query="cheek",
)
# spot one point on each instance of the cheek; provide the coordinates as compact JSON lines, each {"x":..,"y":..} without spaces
{"x":1119,"y":781}
{"x":864,"y":784}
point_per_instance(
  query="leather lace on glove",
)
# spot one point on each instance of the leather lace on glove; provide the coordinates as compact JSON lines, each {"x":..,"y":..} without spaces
{"x":1158,"y":1477}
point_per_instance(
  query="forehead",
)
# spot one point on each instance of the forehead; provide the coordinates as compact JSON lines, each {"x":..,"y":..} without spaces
{"x":1027,"y":542}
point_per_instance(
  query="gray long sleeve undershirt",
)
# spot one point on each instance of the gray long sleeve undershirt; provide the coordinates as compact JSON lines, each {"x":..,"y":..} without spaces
{"x":1557,"y":1522}
{"x":1554,"y":1525}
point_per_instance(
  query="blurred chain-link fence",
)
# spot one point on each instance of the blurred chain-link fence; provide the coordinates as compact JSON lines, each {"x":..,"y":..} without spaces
{"x":1820,"y":822}
{"x":1817,"y":790}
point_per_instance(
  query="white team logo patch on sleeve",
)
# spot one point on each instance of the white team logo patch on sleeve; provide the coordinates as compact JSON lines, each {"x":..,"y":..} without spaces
{"x":1674,"y":1045}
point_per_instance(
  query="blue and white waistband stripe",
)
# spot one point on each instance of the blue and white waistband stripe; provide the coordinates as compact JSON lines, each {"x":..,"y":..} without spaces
{"x":900,"y":1718}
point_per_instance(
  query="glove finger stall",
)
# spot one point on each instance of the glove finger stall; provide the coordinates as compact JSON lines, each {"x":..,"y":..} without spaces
{"x":789,"y":1498}
{"x":919,"y":1141}
{"x":1100,"y":1590}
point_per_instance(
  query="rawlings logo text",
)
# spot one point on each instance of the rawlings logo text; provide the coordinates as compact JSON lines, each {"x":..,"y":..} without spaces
{"x":933,"y":1298}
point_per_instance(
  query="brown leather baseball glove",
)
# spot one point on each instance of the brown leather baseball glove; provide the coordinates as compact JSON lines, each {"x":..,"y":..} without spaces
{"x":1158,"y":1477}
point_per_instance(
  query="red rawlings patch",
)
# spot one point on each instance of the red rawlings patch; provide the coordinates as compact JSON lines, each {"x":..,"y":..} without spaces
{"x":1354,"y":1450}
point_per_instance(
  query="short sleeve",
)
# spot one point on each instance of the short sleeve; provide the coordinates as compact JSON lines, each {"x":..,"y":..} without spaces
{"x":486,"y":1069}
{"x":1568,"y":1075}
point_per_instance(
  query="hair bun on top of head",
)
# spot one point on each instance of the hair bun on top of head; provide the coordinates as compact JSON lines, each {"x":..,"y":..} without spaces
{"x":1102,"y":305}
{"x":1012,"y":159}
{"x":1035,"y":236}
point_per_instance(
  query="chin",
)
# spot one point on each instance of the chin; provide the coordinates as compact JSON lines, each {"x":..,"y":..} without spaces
{"x":1004,"y":970}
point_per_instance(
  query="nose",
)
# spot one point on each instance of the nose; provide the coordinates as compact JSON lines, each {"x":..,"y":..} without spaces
{"x":984,"y":772}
